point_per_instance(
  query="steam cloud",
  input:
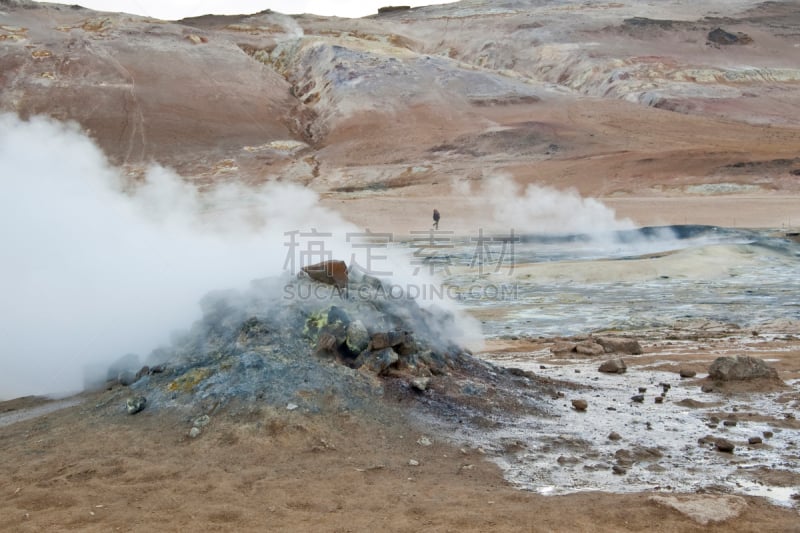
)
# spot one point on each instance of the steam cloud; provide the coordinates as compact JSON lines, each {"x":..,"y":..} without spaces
{"x":90,"y":272}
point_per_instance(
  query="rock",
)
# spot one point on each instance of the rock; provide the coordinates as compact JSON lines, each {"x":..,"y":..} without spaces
{"x":665,"y":386}
{"x":127,"y":378}
{"x":420,"y":384}
{"x":329,"y":272}
{"x":686,"y":373}
{"x":201,"y":421}
{"x":614,"y":436}
{"x":613,"y":366}
{"x":754,"y":440}
{"x":724,"y":445}
{"x":144,"y":371}
{"x":767,"y":434}
{"x":619,"y":470}
{"x":424,"y":441}
{"x":387,"y":339}
{"x":619,"y":345}
{"x":326,"y":342}
{"x":730,"y":423}
{"x":638,"y":398}
{"x":356,"y":337}
{"x":380,"y":361}
{"x":194,"y":432}
{"x":561,"y":347}
{"x":135,"y":404}
{"x":413,"y":462}
{"x":589,"y":347}
{"x":337,"y":314}
{"x":707,"y":387}
{"x":291,"y":406}
{"x":741,"y":367}
{"x":659,"y":399}
{"x":720,"y":36}
{"x":580,"y":405}
{"x":642,"y":390}
{"x":704,"y":509}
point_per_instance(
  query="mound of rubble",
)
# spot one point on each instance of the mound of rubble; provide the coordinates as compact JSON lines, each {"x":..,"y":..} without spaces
{"x":300,"y":343}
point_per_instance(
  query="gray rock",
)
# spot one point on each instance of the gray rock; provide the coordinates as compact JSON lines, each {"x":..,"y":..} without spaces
{"x":638,"y":398}
{"x":127,"y":378}
{"x":614,"y":436}
{"x":135,"y":404}
{"x":741,"y":367}
{"x":754,"y":440}
{"x":580,"y":405}
{"x":194,"y":432}
{"x":619,"y":470}
{"x":730,"y":422}
{"x":686,"y":373}
{"x":768,"y":434}
{"x":613,"y":366}
{"x":619,"y":345}
{"x":707,"y":387}
{"x":201,"y":421}
{"x":380,"y":361}
{"x":561,"y":347}
{"x":357,"y":337}
{"x":421,"y":384}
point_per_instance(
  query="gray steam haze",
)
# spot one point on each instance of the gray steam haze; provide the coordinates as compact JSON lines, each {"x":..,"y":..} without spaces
{"x":94,"y":268}
{"x":90,"y":273}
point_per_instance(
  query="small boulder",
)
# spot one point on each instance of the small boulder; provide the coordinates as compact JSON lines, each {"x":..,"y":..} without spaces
{"x":135,"y":404}
{"x":614,"y":436}
{"x":638,"y":398}
{"x":356,"y":337}
{"x":580,"y":405}
{"x":421,"y":384}
{"x":562,"y":347}
{"x":741,"y":367}
{"x":613,"y":366}
{"x":754,"y":440}
{"x":589,"y":347}
{"x":380,"y":361}
{"x":686,"y":373}
{"x":619,"y":345}
{"x":724,"y":445}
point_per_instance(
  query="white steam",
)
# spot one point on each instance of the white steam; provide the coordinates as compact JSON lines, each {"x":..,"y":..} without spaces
{"x":90,"y":273}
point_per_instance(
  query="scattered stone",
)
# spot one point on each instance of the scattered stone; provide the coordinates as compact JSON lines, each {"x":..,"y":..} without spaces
{"x":741,"y":367}
{"x":613,"y":366}
{"x":542,"y":367}
{"x":665,"y":386}
{"x":659,"y":399}
{"x":424,"y":441}
{"x":707,"y":387}
{"x":725,"y":38}
{"x":724,"y":445}
{"x":291,"y":406}
{"x":686,"y":373}
{"x":420,"y":384}
{"x":767,"y":434}
{"x":754,"y":440}
{"x":619,"y":345}
{"x":638,"y":398}
{"x":194,"y":432}
{"x":577,"y":371}
{"x":619,"y":470}
{"x":387,"y":339}
{"x":614,"y":436}
{"x":730,"y":422}
{"x":642,"y":390}
{"x":413,"y":462}
{"x":135,"y":404}
{"x":580,"y":405}
{"x":201,"y":421}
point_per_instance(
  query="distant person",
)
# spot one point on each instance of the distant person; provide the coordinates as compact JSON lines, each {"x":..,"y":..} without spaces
{"x":436,"y":217}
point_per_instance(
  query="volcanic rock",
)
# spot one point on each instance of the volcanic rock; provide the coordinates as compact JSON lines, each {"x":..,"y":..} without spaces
{"x":614,"y":436}
{"x":741,"y":367}
{"x":720,"y":36}
{"x":357,"y":337}
{"x":724,"y":445}
{"x":686,"y":373}
{"x":580,"y":405}
{"x":561,"y":347}
{"x":421,"y":384}
{"x":613,"y":366}
{"x":380,"y":361}
{"x":754,"y":440}
{"x":619,"y":345}
{"x":638,"y":398}
{"x":135,"y":404}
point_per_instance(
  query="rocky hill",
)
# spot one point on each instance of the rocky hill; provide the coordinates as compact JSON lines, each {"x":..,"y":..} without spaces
{"x":613,"y":98}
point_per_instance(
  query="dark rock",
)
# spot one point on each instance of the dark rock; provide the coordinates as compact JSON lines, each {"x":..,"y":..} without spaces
{"x":326,"y":342}
{"x":135,"y":404}
{"x":642,"y":390}
{"x":767,"y":434}
{"x":392,"y":9}
{"x":659,"y":399}
{"x":614,"y":436}
{"x":337,"y":314}
{"x":665,"y":386}
{"x":580,"y":405}
{"x":720,"y":36}
{"x":754,"y":440}
{"x":724,"y":445}
{"x":619,"y":470}
{"x":387,"y":339}
{"x":380,"y":361}
{"x":613,"y":366}
{"x":638,"y":398}
{"x":686,"y":373}
{"x":729,"y":423}
{"x":329,"y":272}
{"x":619,"y":345}
{"x":707,"y":387}
{"x":741,"y":367}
